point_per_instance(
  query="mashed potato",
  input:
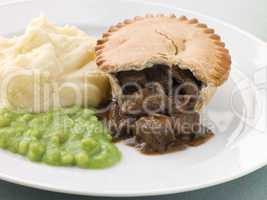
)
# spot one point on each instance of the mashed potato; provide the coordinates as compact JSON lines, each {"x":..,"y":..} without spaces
{"x":49,"y":67}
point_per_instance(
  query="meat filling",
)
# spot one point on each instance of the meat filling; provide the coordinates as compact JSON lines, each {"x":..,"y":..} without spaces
{"x":156,"y":111}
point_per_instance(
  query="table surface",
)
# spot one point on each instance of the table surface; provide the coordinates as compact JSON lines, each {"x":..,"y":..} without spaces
{"x":248,"y":15}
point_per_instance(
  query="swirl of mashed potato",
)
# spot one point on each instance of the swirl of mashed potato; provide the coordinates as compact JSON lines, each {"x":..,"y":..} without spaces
{"x":49,"y":67}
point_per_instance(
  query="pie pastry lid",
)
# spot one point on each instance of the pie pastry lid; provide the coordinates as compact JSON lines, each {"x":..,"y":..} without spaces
{"x":157,"y":39}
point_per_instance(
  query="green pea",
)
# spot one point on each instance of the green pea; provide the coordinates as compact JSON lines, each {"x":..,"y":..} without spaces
{"x":61,"y":136}
{"x":33,"y":133}
{"x":100,"y":160}
{"x":67,"y":159}
{"x":93,"y":119}
{"x":35,"y":122}
{"x":55,"y":140}
{"x":23,"y":147}
{"x":68,"y":123}
{"x":13,"y":145}
{"x":89,"y":144}
{"x":19,"y":129}
{"x":92,"y":147}
{"x":106,"y":158}
{"x":4,"y":121}
{"x":82,"y":160}
{"x":53,"y":157}
{"x":26,"y":117}
{"x":19,"y":133}
{"x":36,"y":151}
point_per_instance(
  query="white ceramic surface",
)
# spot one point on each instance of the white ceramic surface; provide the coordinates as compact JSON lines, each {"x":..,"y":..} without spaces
{"x":237,"y":113}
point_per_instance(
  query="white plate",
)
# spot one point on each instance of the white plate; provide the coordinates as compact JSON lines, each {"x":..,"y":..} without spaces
{"x":238,"y":113}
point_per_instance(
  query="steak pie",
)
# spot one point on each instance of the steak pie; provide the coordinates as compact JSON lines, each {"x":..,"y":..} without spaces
{"x":163,"y":70}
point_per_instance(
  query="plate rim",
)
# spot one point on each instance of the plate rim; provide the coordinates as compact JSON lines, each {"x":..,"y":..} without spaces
{"x":164,"y":191}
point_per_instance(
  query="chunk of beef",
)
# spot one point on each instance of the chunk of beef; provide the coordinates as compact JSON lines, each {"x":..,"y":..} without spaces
{"x":119,"y":124}
{"x":186,"y":123}
{"x":133,"y":104}
{"x":154,"y":133}
{"x":181,"y":103}
{"x":151,"y":99}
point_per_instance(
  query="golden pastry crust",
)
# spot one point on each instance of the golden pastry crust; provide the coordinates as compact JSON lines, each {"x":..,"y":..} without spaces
{"x":157,"y":39}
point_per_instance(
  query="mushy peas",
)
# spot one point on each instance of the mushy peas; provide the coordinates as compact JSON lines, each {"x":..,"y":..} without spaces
{"x":65,"y":137}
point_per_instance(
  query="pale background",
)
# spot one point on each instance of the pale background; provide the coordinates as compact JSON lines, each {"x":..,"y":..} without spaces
{"x":250,"y":15}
